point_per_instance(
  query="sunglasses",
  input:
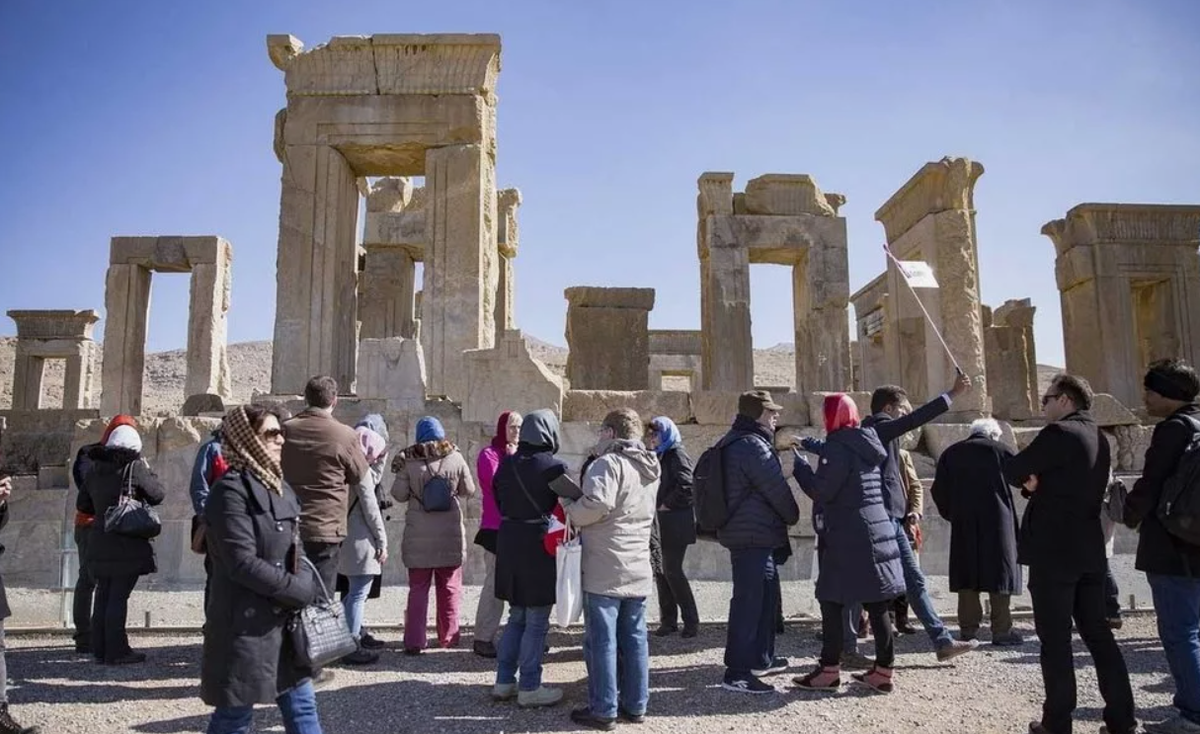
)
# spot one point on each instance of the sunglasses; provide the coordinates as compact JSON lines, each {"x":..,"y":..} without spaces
{"x":272,"y":433}
{"x":1050,"y":396}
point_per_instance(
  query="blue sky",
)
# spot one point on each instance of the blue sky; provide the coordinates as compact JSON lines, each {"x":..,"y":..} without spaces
{"x":156,"y":118}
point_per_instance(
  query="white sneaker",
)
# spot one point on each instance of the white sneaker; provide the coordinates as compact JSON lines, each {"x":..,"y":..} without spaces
{"x":504,"y":691}
{"x":1174,"y":725}
{"x":543,"y":696}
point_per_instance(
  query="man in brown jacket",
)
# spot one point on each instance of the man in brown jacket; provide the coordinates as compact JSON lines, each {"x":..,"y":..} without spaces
{"x":322,"y":461}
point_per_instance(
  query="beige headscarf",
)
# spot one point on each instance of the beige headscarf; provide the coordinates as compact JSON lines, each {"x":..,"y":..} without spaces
{"x":245,"y":452}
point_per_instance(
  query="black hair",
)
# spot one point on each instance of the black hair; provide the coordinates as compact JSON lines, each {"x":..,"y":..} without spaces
{"x":1077,"y":390}
{"x":886,"y":396}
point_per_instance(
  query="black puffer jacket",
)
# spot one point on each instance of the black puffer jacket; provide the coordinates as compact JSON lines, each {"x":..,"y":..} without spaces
{"x":760,"y":502}
{"x":1158,"y":551}
{"x":112,"y":470}
{"x":677,"y":523}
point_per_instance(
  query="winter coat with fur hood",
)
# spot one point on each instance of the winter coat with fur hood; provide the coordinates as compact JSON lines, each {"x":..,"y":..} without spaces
{"x":432,"y":539}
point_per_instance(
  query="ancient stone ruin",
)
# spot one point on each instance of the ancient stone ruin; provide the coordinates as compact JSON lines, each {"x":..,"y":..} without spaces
{"x":411,"y":310}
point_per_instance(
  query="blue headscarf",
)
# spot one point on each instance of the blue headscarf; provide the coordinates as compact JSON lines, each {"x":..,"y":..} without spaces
{"x":430,"y":429}
{"x":668,"y":434}
{"x":376,"y":423}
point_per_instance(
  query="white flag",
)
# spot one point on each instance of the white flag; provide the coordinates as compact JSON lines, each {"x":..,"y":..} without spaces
{"x":917,"y":273}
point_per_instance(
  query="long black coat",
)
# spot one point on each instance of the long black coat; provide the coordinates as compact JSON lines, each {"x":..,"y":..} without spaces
{"x":1061,"y":535}
{"x":971,"y":494}
{"x":112,"y":470}
{"x":1158,"y":551}
{"x":677,"y":523}
{"x":5,"y":611}
{"x":526,"y":575}
{"x":257,"y":580}
{"x":859,"y":558}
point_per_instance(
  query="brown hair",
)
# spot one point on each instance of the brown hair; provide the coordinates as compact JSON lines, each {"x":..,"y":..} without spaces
{"x":624,"y":422}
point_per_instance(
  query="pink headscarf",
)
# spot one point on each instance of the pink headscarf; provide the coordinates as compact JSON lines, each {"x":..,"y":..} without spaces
{"x":372,"y":444}
{"x":840,"y":412}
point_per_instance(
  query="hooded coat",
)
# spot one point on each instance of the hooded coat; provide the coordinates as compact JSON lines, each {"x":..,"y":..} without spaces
{"x":526,"y":575}
{"x":859,"y":560}
{"x":615,"y":515}
{"x":114,"y":471}
{"x":432,"y":539}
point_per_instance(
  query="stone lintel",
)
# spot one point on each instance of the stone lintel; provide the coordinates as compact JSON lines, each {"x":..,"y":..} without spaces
{"x":939,"y":186}
{"x":384,"y":64}
{"x":786,"y":194}
{"x":716,"y":193}
{"x":672,"y":341}
{"x":169,"y":254}
{"x":779,"y":240}
{"x":54,"y":324}
{"x":1100,"y":224}
{"x":596,"y":297}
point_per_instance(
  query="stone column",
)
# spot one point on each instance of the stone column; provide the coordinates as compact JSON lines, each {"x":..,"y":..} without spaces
{"x":1011,"y":360}
{"x":126,"y":307}
{"x":316,"y":320}
{"x":461,"y":269}
{"x":821,"y":294}
{"x":932,"y":218}
{"x":728,"y":348}
{"x":508,"y":241}
{"x":28,"y":373}
{"x":77,"y":381}
{"x":208,"y":360}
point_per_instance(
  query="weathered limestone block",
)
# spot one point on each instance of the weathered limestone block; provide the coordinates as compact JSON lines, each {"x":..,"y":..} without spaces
{"x":197,"y":405}
{"x":1011,"y":360}
{"x":593,"y":405}
{"x":1132,"y":443}
{"x":508,"y":377}
{"x":1109,"y":413}
{"x":508,"y":241}
{"x":126,"y":309}
{"x":786,"y":194}
{"x":36,"y":438}
{"x":207,"y":350}
{"x":608,"y":338}
{"x":720,"y":408}
{"x":392,"y":369}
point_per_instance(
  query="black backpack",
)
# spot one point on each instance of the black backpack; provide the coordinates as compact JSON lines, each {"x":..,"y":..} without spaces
{"x":708,"y":478}
{"x":437,"y":495}
{"x":1179,"y":505}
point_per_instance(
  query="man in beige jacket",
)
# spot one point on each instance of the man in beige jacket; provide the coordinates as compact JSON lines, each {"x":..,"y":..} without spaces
{"x":615,"y":515}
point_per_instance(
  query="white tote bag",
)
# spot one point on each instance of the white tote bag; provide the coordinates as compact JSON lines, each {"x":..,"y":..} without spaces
{"x":569,"y":604}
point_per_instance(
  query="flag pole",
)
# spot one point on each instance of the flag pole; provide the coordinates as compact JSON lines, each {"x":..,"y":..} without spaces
{"x":928,"y":318}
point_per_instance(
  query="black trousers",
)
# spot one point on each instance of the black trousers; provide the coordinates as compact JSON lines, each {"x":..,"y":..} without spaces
{"x":325,"y":557}
{"x":750,"y":634}
{"x":109,"y":640}
{"x":85,"y":587}
{"x":833,"y":617}
{"x":675,"y":596}
{"x":1112,"y":595}
{"x":1057,"y":600}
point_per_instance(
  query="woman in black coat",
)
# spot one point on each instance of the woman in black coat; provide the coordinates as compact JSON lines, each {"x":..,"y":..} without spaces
{"x":526,"y":575}
{"x":116,"y":561}
{"x":258,"y":580}
{"x":674,"y":530}
{"x":972,"y":495}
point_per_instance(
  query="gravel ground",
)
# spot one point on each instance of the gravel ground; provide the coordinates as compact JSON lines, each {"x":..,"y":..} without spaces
{"x":991,"y":690}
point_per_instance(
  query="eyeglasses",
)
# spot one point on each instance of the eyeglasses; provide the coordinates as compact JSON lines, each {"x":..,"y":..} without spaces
{"x":271,"y":433}
{"x":1050,"y":396}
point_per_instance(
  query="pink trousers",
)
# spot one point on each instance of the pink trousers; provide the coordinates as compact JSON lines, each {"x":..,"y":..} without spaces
{"x":448,"y":582}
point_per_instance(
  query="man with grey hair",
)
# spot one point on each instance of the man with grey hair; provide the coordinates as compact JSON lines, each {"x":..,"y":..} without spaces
{"x":614,"y":516}
{"x":971,"y":493}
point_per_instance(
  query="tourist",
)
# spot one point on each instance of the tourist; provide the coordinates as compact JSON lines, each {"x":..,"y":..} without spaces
{"x":674,"y":530}
{"x":491,"y":609}
{"x":116,"y":561}
{"x":208,"y":467}
{"x":258,"y":578}
{"x":859,"y":557}
{"x":971,"y":494}
{"x":365,"y":549}
{"x":525,"y":573}
{"x":614,"y":517}
{"x":383,"y":500}
{"x":1064,"y":472}
{"x":85,"y":583}
{"x":322,"y":461}
{"x":433,"y":478}
{"x":761,"y":507}
{"x":8,"y":725}
{"x":892,"y":416}
{"x":1171,"y":564}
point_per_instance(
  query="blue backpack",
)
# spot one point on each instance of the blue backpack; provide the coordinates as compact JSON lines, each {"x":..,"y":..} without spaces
{"x":437,"y":495}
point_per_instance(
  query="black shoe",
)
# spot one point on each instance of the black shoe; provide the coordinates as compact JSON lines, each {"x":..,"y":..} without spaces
{"x":666,"y":631}
{"x":746,"y":684}
{"x":361,"y":657}
{"x":370,"y":642}
{"x":484,"y":649}
{"x":778,"y":665}
{"x":129,"y":658}
{"x":904,"y":628}
{"x":83,"y":647}
{"x":9,"y":726}
{"x":585,"y":717}
{"x":629,"y":718}
{"x":689,"y":632}
{"x":413,"y":651}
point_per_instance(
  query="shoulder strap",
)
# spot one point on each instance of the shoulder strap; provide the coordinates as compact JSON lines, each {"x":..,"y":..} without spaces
{"x":532,"y":502}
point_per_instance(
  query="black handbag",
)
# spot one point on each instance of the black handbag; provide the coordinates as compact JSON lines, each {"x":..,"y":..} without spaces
{"x":319,"y":632}
{"x":131,"y":516}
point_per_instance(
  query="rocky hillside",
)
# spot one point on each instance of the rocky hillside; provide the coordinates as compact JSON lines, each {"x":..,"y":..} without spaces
{"x":250,"y":363}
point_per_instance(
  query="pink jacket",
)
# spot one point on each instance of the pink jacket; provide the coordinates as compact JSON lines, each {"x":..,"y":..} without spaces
{"x":485,"y":469}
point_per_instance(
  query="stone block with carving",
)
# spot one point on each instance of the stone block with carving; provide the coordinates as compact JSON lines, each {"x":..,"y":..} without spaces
{"x":1132,"y":442}
{"x":508,"y":377}
{"x":392,"y":369}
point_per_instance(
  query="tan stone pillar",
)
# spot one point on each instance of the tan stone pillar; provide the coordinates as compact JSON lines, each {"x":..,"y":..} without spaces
{"x":208,"y":360}
{"x":316,"y":319}
{"x":727,"y":347}
{"x":1011,"y":360}
{"x":461,"y":268}
{"x":821,"y":294}
{"x":77,"y":381}
{"x":126,"y":308}
{"x":28,"y":372}
{"x":508,"y":241}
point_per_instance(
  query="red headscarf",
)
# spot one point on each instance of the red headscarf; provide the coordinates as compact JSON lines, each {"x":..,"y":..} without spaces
{"x":500,"y":440}
{"x":120,"y":420}
{"x":840,"y":412}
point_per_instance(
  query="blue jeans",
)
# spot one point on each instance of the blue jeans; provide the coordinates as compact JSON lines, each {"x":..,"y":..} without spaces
{"x":612,"y":623}
{"x":750,"y":635}
{"x":1177,"y":605}
{"x":298,"y":706}
{"x":522,"y":645}
{"x":354,"y":601}
{"x":918,"y":597}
